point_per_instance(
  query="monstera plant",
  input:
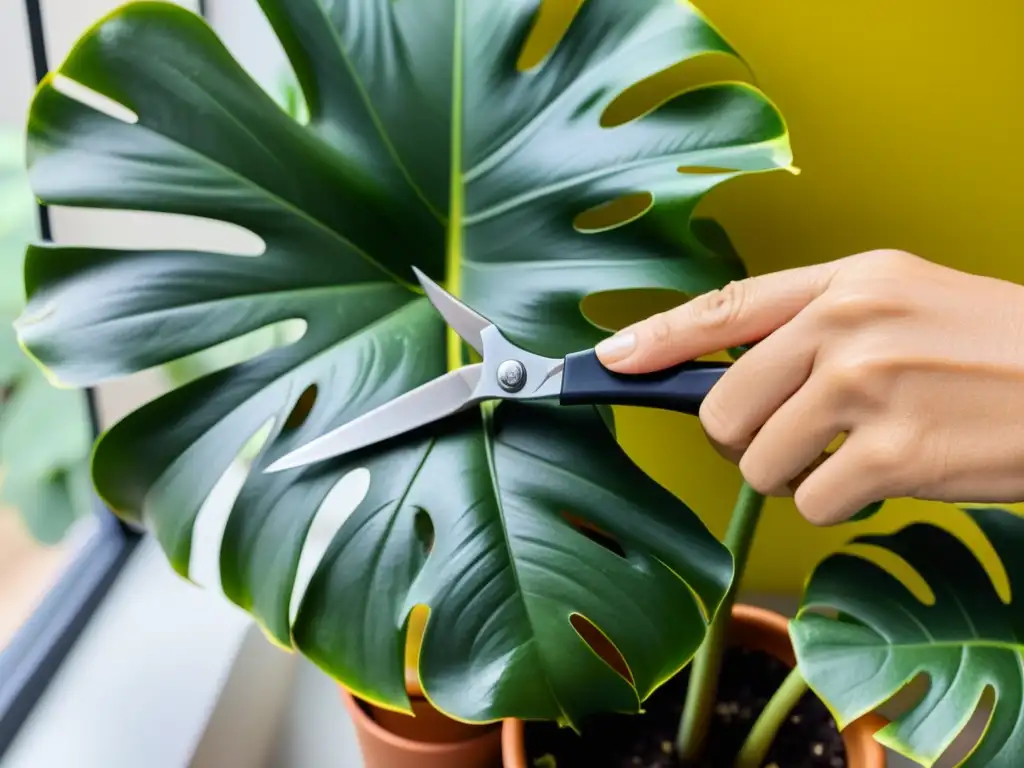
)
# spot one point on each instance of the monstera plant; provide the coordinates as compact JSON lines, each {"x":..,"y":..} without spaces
{"x":428,"y":143}
{"x":44,"y":432}
{"x":525,"y":154}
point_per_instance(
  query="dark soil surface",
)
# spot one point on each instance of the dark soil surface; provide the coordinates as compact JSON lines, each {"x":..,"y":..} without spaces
{"x":809,"y":739}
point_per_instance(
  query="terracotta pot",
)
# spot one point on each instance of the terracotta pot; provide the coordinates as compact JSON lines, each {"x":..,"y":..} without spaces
{"x":427,"y":739}
{"x":761,"y":630}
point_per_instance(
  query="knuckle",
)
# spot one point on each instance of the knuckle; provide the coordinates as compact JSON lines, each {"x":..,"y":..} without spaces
{"x":886,"y":260}
{"x":875,"y":289}
{"x":718,"y":426}
{"x":659,"y":328}
{"x":720,"y":308}
{"x":862,"y":380}
{"x":891,"y":454}
{"x":847,"y":378}
{"x":857,"y":305}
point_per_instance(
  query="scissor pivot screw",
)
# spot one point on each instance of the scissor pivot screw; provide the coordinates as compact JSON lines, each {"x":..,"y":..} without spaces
{"x":511,"y":375}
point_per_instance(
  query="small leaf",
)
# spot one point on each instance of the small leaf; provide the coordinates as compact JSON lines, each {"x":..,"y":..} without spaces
{"x":968,"y":640}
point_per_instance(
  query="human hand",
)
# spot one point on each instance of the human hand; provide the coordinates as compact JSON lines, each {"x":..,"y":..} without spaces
{"x":921,"y":367}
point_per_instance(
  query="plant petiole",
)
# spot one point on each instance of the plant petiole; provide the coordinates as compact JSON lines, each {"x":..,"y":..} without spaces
{"x":703,"y":688}
{"x":761,"y":736}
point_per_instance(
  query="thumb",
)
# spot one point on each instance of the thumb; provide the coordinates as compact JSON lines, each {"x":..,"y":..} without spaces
{"x":740,"y":313}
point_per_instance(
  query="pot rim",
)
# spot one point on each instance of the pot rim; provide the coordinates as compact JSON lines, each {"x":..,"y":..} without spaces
{"x":857,"y":736}
{"x":375,"y":729}
{"x":758,"y":615}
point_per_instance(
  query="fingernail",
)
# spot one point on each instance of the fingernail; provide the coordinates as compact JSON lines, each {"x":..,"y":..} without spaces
{"x":616,"y":348}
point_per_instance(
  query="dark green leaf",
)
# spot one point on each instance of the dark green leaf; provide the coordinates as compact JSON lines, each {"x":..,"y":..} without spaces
{"x":968,"y":640}
{"x":425,"y":146}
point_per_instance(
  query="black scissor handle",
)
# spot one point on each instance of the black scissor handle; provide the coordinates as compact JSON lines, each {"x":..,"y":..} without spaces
{"x":683,"y":387}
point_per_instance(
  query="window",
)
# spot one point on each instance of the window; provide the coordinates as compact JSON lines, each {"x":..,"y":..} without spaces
{"x":59,"y":547}
{"x":44,"y":432}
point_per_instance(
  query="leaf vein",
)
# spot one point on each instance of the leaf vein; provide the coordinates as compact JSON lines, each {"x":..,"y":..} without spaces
{"x":374,"y":117}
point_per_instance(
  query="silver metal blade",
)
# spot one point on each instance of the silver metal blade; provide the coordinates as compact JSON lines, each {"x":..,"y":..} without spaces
{"x":463,"y":320}
{"x":427,"y":403}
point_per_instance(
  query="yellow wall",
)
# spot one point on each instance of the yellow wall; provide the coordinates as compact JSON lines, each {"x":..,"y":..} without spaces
{"x":907,"y":120}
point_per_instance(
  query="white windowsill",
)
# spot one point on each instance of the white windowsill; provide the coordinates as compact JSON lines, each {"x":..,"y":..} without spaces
{"x":138,"y":687}
{"x":141,"y":682}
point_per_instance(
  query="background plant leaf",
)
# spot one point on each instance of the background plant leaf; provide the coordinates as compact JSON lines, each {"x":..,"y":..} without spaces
{"x":44,"y":432}
{"x":968,"y":640}
{"x":426,"y":146}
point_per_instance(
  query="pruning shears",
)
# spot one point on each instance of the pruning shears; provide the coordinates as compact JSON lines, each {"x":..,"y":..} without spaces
{"x":507,"y":373}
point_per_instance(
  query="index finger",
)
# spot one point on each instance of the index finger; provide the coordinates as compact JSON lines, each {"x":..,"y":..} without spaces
{"x":740,"y":313}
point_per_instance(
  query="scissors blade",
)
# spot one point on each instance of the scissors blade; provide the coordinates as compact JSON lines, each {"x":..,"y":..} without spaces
{"x":463,"y":320}
{"x":429,"y":402}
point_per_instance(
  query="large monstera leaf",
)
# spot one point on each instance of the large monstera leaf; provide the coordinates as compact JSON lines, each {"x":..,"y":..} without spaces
{"x":425,"y":145}
{"x":966,"y":640}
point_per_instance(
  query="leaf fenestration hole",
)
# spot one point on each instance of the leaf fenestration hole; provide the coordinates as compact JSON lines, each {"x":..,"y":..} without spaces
{"x":594,"y":533}
{"x":909,"y":695}
{"x":234,"y":351}
{"x":612,"y":310}
{"x":303,"y":407}
{"x":549,"y":27}
{"x":645,"y":96}
{"x":913,"y":693}
{"x":974,"y":731}
{"x":144,"y":230}
{"x":83,"y":94}
{"x":614,"y":213}
{"x":157,"y":231}
{"x":337,"y":506}
{"x":903,"y":571}
{"x":424,"y":528}
{"x":975,"y":539}
{"x":600,"y":644}
{"x":416,"y":625}
{"x":704,"y":170}
{"x":212,"y":518}
{"x":289,"y":96}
